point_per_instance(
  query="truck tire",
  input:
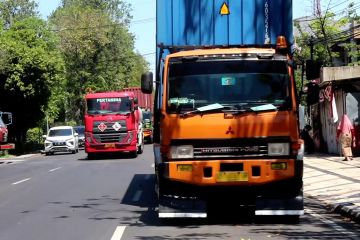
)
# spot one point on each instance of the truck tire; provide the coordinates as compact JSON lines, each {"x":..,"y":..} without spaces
{"x":141,"y":148}
{"x":134,"y":154}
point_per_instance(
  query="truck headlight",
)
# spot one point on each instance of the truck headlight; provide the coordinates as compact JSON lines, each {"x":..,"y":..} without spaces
{"x":278,"y":149}
{"x":48,"y":144}
{"x":184,"y":151}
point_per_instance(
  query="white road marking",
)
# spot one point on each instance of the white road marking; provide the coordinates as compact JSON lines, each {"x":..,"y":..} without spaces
{"x":137,"y":196}
{"x":119,"y":231}
{"x":334,"y":225}
{"x":24,"y":180}
{"x":153,"y":165}
{"x":52,"y":170}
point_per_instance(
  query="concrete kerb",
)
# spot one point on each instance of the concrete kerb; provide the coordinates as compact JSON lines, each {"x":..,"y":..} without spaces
{"x":342,"y":209}
{"x":346,"y":209}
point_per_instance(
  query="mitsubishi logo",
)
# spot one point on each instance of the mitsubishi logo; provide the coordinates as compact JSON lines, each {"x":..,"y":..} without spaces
{"x":230,"y":131}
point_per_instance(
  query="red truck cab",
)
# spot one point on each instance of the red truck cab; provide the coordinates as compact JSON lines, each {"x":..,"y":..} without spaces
{"x":5,"y":119}
{"x":112,"y":123}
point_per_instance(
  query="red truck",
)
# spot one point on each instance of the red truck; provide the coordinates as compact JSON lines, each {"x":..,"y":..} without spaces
{"x":5,"y":119}
{"x":113,"y":123}
{"x":145,"y":102}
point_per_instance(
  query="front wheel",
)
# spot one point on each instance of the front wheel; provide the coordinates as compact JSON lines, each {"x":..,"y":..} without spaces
{"x":134,"y":154}
{"x":140,"y":149}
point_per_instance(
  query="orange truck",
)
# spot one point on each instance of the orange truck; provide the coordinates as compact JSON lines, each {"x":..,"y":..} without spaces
{"x":226,"y":129}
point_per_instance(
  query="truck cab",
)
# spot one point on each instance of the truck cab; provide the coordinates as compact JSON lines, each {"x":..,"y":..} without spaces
{"x":113,"y":123}
{"x":5,"y":120}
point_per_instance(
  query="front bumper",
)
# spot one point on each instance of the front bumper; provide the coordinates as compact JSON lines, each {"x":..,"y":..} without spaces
{"x":256,"y":178}
{"x":53,"y":149}
{"x":109,"y":147}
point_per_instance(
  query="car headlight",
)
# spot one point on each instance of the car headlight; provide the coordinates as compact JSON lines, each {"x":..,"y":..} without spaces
{"x":71,"y":142}
{"x":48,"y":143}
{"x":184,"y":151}
{"x":278,"y":149}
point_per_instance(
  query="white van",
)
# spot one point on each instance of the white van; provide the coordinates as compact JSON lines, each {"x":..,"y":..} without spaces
{"x":61,"y":139}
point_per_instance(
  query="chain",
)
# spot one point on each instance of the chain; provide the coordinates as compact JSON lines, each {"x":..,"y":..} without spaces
{"x":267,"y":37}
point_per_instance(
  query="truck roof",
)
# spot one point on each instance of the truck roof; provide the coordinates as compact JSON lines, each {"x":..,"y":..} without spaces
{"x":109,"y":95}
{"x":222,"y":51}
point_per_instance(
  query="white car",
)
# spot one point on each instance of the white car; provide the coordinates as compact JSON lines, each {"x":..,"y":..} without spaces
{"x":61,"y":139}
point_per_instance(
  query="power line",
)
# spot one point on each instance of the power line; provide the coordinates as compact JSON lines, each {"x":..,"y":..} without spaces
{"x":334,"y":6}
{"x":147,"y":54}
{"x":145,"y":20}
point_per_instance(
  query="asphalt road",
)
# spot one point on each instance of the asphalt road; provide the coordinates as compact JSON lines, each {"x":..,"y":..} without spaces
{"x":66,"y":196}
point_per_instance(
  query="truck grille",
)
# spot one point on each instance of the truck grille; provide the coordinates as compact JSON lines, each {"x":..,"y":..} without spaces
{"x":228,"y":148}
{"x":110,"y":137}
{"x":110,"y":132}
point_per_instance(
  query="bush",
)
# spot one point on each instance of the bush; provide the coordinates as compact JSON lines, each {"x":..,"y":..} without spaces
{"x":34,"y":139}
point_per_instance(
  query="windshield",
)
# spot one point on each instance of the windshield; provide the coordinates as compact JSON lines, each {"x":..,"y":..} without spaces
{"x":60,"y":132}
{"x":80,"y":130}
{"x":229,"y":83}
{"x":1,"y":123}
{"x":147,"y":115}
{"x":109,"y":105}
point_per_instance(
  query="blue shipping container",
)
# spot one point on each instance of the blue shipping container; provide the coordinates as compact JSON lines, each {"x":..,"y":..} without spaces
{"x":245,"y":22}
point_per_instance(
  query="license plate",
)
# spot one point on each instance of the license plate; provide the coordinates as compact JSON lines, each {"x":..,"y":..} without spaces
{"x":232,"y":177}
{"x":110,"y":145}
{"x":184,"y":168}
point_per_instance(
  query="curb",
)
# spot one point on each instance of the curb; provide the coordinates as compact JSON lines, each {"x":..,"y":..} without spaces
{"x":347,"y":211}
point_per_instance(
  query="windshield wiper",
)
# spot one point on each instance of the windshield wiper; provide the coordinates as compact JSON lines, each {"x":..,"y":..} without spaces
{"x":201,"y":110}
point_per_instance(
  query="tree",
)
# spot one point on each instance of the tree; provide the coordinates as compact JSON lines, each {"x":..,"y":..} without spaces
{"x":32,"y":66}
{"x":321,"y":32}
{"x":12,"y":11}
{"x":98,"y":49}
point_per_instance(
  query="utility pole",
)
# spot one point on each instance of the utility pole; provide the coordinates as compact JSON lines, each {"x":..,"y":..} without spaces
{"x":317,"y":7}
{"x":311,"y":44}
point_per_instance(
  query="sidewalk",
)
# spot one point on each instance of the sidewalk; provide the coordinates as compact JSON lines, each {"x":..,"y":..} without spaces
{"x":334,"y":182}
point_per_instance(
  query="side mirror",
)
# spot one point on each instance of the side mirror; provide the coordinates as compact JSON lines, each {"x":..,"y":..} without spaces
{"x":147,"y":82}
{"x":6,"y":117}
{"x":292,"y":64}
{"x":312,"y":69}
{"x":76,"y":134}
{"x":312,"y":93}
{"x":44,"y":136}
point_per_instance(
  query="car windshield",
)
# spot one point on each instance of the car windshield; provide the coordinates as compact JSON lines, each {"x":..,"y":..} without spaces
{"x":80,"y":130}
{"x":109,"y":105}
{"x":229,"y":83}
{"x":60,"y":132}
{"x":147,"y":115}
{"x":2,"y":124}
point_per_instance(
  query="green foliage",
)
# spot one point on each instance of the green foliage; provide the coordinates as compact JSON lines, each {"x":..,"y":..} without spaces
{"x":98,"y":50}
{"x":32,"y":66}
{"x":12,"y":11}
{"x":319,"y":32}
{"x":34,"y":136}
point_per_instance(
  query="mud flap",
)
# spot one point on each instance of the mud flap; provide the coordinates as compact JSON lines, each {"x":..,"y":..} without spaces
{"x":172,"y":207}
{"x":280,"y":206}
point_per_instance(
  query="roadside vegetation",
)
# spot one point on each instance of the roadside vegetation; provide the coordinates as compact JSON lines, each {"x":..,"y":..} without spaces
{"x":47,"y":66}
